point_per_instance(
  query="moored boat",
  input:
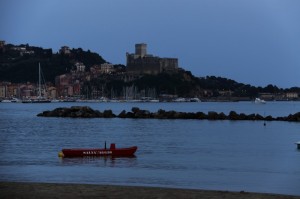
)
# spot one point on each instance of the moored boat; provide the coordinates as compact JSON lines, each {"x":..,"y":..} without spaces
{"x":298,"y":145}
{"x":10,"y":100}
{"x":259,"y":101}
{"x":111,"y":151}
{"x":6,"y":101}
{"x":39,"y":98}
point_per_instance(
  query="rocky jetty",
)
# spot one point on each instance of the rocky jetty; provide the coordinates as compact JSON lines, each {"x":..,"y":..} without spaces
{"x":87,"y":112}
{"x":77,"y":112}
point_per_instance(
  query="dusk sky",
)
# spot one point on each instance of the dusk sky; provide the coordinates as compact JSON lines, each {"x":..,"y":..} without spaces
{"x":254,"y":42}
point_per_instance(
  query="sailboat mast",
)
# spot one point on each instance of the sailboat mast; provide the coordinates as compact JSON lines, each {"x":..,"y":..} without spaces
{"x":40,"y":92}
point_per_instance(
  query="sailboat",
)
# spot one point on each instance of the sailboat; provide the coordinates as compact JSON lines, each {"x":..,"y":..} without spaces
{"x":40,"y":98}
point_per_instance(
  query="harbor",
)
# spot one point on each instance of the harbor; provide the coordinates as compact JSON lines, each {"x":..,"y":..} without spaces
{"x":187,"y":154}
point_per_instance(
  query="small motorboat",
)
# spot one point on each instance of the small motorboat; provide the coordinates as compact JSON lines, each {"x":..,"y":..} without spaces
{"x":259,"y":101}
{"x":111,"y":151}
{"x":298,"y":145}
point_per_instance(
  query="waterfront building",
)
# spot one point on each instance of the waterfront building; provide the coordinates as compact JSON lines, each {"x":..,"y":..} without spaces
{"x":3,"y":88}
{"x":69,"y":85}
{"x":63,"y":84}
{"x":8,"y":89}
{"x":292,"y":95}
{"x":27,"y":90}
{"x":267,"y":96}
{"x":52,"y":92}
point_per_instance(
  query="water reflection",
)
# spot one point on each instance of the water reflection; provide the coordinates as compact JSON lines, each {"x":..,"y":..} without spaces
{"x":99,"y":161}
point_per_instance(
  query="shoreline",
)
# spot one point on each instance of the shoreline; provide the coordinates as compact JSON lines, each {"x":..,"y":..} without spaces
{"x":67,"y":190}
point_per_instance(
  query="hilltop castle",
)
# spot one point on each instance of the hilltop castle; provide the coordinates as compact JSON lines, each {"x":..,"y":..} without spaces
{"x":143,"y":63}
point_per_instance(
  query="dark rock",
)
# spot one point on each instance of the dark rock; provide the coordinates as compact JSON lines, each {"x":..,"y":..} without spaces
{"x":172,"y":115}
{"x":222,"y":116}
{"x":250,"y":117}
{"x":201,"y":116}
{"x":98,"y":113}
{"x":122,"y":114}
{"x":190,"y":116}
{"x":160,"y":114}
{"x":74,"y":112}
{"x":141,"y":114}
{"x":233,"y":115}
{"x":259,"y":117}
{"x":293,"y":117}
{"x":242,"y":116}
{"x":129,"y":115}
{"x":108,"y":114}
{"x":135,"y":110}
{"x":269,"y":118}
{"x":212,"y":115}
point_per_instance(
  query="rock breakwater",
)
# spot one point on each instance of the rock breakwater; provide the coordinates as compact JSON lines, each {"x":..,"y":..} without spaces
{"x":87,"y":112}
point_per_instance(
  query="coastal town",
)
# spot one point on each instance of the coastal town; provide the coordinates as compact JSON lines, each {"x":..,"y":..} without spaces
{"x":82,"y":83}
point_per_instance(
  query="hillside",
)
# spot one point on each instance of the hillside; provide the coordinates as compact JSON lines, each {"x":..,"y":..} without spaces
{"x":20,"y":63}
{"x":182,"y":84}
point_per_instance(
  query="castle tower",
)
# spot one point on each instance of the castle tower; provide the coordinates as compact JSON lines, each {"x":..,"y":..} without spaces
{"x":141,"y":49}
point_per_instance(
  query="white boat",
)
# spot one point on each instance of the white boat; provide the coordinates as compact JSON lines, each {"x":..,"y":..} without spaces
{"x":55,"y":100}
{"x":180,"y":99}
{"x":259,"y":101}
{"x":195,"y":99}
{"x":40,"y":98}
{"x":6,"y":101}
{"x":103,"y":99}
{"x":16,"y":100}
{"x":134,"y":101}
{"x":149,"y":99}
{"x":11,"y":100}
{"x":154,"y":100}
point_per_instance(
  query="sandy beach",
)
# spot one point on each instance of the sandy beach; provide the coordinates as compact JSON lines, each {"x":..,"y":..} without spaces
{"x":51,"y":190}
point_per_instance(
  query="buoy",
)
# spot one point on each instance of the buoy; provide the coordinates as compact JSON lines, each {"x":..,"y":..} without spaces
{"x":61,"y":154}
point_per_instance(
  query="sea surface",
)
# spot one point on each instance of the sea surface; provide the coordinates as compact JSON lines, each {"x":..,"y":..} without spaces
{"x":193,"y":154}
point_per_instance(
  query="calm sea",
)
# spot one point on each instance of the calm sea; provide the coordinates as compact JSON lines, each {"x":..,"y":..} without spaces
{"x":197,"y":154}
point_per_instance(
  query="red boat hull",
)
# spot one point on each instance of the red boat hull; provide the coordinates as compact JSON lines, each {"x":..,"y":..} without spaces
{"x":112,"y":151}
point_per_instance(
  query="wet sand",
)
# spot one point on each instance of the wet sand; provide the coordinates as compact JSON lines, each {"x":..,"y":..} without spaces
{"x":51,"y":190}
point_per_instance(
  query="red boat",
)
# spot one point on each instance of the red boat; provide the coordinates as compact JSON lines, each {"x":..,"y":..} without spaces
{"x":112,"y":151}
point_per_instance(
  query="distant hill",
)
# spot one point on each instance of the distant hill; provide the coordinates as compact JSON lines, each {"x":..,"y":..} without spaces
{"x":20,"y":63}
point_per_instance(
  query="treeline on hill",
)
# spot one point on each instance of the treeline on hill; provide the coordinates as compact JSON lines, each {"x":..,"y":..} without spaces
{"x":18,"y":68}
{"x":183,"y":84}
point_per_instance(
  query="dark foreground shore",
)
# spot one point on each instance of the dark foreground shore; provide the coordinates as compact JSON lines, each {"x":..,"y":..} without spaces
{"x":50,"y":190}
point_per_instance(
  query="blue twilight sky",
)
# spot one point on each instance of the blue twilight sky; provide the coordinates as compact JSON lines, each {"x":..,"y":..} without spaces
{"x":255,"y":42}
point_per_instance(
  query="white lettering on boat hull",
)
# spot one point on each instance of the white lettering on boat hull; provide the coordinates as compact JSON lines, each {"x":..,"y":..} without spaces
{"x":97,"y":152}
